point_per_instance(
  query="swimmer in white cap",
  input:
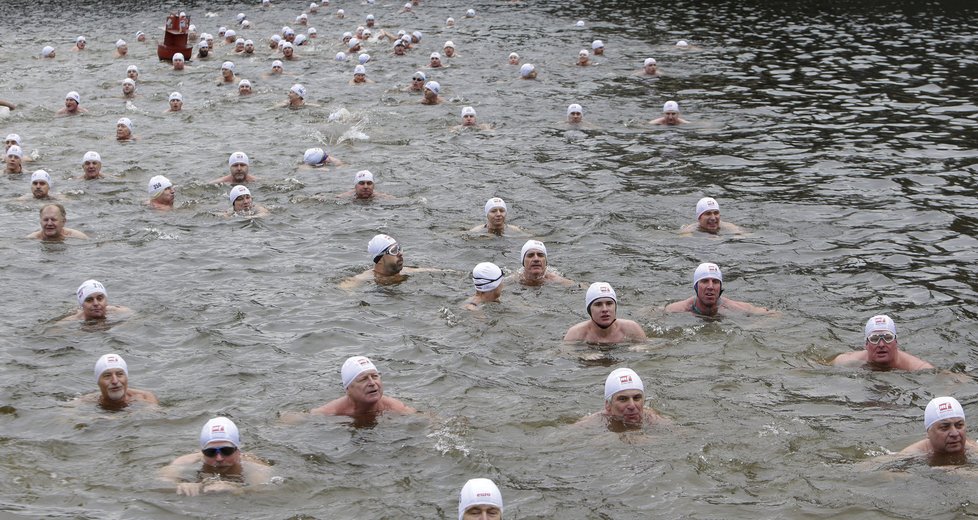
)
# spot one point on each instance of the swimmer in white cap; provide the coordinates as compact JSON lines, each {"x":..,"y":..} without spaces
{"x":364,"y":398}
{"x":575,"y":114}
{"x":140,"y":36}
{"x":40,"y":187}
{"x":364,"y":188}
{"x":534,"y":269}
{"x":449,"y":22}
{"x":495,"y":212}
{"x":91,"y":164}
{"x":244,"y":88}
{"x":80,"y":44}
{"x":121,"y":48}
{"x":161,"y":193}
{"x":708,"y":219}
{"x":128,"y":88}
{"x":53,"y":220}
{"x":706,"y":301}
{"x":203,"y":49}
{"x":947,"y":441}
{"x":14,"y":158}
{"x":449,"y":50}
{"x":597,"y":47}
{"x":514,"y":59}
{"x":94,"y":302}
{"x":220,"y":467}
{"x":487,"y":278}
{"x":242,"y":204}
{"x":601,"y":304}
{"x":528,"y":71}
{"x":112,"y":377}
{"x":388,"y":269}
{"x":277,"y":69}
{"x":624,"y":404}
{"x":583,"y":58}
{"x":71,"y":108}
{"x":418,"y":79}
{"x":434,"y":61}
{"x":123,"y":130}
{"x":239,"y":167}
{"x":296,"y":99}
{"x":230,"y":36}
{"x":649,"y":68}
{"x":318,"y":158}
{"x":11,"y":140}
{"x":340,"y":14}
{"x":288,"y":52}
{"x":132,"y":72}
{"x":670,"y":115}
{"x":239,"y":46}
{"x":881,"y":349}
{"x":249,"y":47}
{"x":469,"y":121}
{"x":312,"y":33}
{"x":175,"y":102}
{"x":480,"y":499}
{"x":400,"y":48}
{"x":432,"y":89}
{"x":227,"y":74}
{"x":47,"y":52}
{"x":360,"y":76}
{"x":179,"y":61}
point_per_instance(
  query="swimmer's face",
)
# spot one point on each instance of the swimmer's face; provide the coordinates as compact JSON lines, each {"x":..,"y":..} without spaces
{"x":167,"y":196}
{"x":228,"y":74}
{"x":52,"y":223}
{"x":239,"y":172}
{"x":482,"y":512}
{"x":8,"y":143}
{"x":203,"y":52}
{"x":277,"y":69}
{"x":366,"y":388}
{"x":273,"y":45}
{"x":128,"y":89}
{"x":468,"y":120}
{"x":141,"y":38}
{"x":948,"y":435}
{"x":238,"y":47}
{"x":249,"y":48}
{"x":392,"y":264}
{"x":535,"y":263}
{"x":242,"y":204}
{"x":290,"y":37}
{"x":178,"y":65}
{"x":651,"y":68}
{"x":430,"y":94}
{"x":81,"y":45}
{"x":92,"y":169}
{"x":879,"y":351}
{"x":575,"y":117}
{"x":496,"y":217}
{"x":370,"y":23}
{"x":399,"y":50}
{"x":346,"y":39}
{"x":244,"y":90}
{"x":436,"y":61}
{"x":288,"y":52}
{"x":448,"y":51}
{"x":113,"y":383}
{"x":603,"y":311}
{"x":122,"y":132}
{"x":14,"y":163}
{"x":122,"y":50}
{"x":359,"y":78}
{"x":355,"y":48}
{"x":626,"y":406}
{"x":583,"y":60}
{"x":364,"y":189}
{"x":176,"y":105}
{"x":71,"y":105}
{"x":40,"y":189}
{"x":708,"y":291}
{"x":671,"y":118}
{"x":514,"y":60}
{"x":132,"y":74}
{"x":417,"y":83}
{"x":599,"y":51}
{"x":709,"y":221}
{"x":219,"y":463}
{"x":294,"y":98}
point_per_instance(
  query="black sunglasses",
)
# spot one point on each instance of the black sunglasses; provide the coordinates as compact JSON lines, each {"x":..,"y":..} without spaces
{"x":225,"y":451}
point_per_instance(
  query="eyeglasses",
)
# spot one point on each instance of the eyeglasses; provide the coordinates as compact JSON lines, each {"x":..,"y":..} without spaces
{"x":225,"y":451}
{"x":417,"y":79}
{"x":886,"y":337}
{"x":393,"y":250}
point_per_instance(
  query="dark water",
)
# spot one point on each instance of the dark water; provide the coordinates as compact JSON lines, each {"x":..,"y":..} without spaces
{"x":841,"y":136}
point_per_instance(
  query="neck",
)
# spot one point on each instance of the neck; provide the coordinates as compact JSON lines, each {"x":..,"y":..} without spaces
{"x":109,"y":404}
{"x":705,"y":310}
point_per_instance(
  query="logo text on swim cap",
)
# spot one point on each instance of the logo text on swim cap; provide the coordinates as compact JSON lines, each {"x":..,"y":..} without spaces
{"x":483,"y":494}
{"x":158,"y":185}
{"x":625,"y":379}
{"x":364,"y":361}
{"x":880,"y":321}
{"x":605,"y":289}
{"x":217,"y":428}
{"x":944,"y":407}
{"x":112,"y":359}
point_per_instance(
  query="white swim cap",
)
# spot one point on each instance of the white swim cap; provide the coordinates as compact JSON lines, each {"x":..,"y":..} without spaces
{"x":360,"y":69}
{"x":340,"y":12}
{"x":276,"y":63}
{"x":73,"y":95}
{"x":682,"y":43}
{"x":175,"y":95}
{"x":470,"y":13}
{"x":597,"y":44}
{"x":707,"y":270}
{"x":203,"y":44}
{"x":239,"y":41}
{"x":244,"y":83}
{"x":340,"y":56}
{"x":276,"y":38}
{"x":448,"y":45}
{"x":15,"y":151}
{"x":363,"y":58}
{"x":434,"y":86}
{"x":230,"y":33}
{"x":110,"y":361}
{"x":421,"y":75}
{"x":238,"y":191}
{"x":299,"y":90}
{"x":580,"y":23}
{"x":300,"y":39}
{"x":311,"y":31}
{"x":302,"y":16}
{"x":314,"y":156}
{"x":47,"y":51}
{"x":574,"y":108}
{"x":449,"y":21}
{"x":526,"y":69}
{"x":88,"y":288}
{"x":229,"y":65}
{"x":353,"y":42}
{"x":514,"y":55}
{"x":706,"y":204}
{"x":156,"y":186}
{"x":129,"y":81}
{"x":407,"y":6}
{"x":417,"y":34}
{"x":287,"y":45}
{"x":486,"y":276}
{"x":435,"y":55}
{"x":91,"y":156}
{"x":13,"y":137}
{"x":670,"y":106}
{"x":532,"y":245}
{"x":940,"y":408}
{"x":125,"y":121}
{"x":80,"y":39}
{"x":584,"y":53}
{"x":468,"y":111}
{"x":596,"y":291}
{"x":355,"y":366}
{"x":363,"y":176}
{"x":378,"y":244}
{"x":219,"y":429}
{"x":649,"y":61}
{"x":367,"y":33}
{"x":479,"y":492}
{"x":622,"y":379}
{"x":41,"y":175}
{"x":238,"y":158}
{"x":878,"y":323}
{"x":132,"y":68}
{"x":179,"y":57}
{"x":347,"y":34}
{"x":493,"y":203}
{"x":370,"y":17}
{"x":120,"y":43}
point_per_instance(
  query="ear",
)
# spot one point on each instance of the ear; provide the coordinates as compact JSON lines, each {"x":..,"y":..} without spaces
{"x":607,"y":405}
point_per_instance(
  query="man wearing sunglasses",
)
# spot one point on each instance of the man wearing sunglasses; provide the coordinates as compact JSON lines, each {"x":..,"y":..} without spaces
{"x":388,"y":267}
{"x":219,"y":466}
{"x":881,"y":349}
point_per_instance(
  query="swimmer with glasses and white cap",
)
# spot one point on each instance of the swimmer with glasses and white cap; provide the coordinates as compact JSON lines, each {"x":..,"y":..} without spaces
{"x":881,"y":350}
{"x":388,"y":260}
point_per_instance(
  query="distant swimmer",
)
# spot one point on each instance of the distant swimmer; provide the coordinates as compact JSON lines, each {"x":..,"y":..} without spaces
{"x":670,"y":115}
{"x":242,"y":204}
{"x":514,"y":59}
{"x":48,"y":52}
{"x":121,"y":48}
{"x":399,"y":48}
{"x":360,"y":76}
{"x":469,"y":121}
{"x":296,"y":99}
{"x":706,"y":301}
{"x":161,"y":193}
{"x":624,"y":404}
{"x":53,"y":220}
{"x":220,"y":466}
{"x":11,"y":140}
{"x":175,"y":101}
{"x":528,"y":71}
{"x":449,"y":50}
{"x":80,"y":43}
{"x":92,"y":166}
{"x":487,"y":278}
{"x":388,"y":258}
{"x":203,"y":49}
{"x":123,"y":130}
{"x":40,"y":187}
{"x":597,"y":48}
{"x":708,"y":219}
{"x":14,"y":160}
{"x":364,"y":188}
{"x":434,"y":61}
{"x":244,"y":88}
{"x":277,"y":69}
{"x":132,"y":72}
{"x":480,"y":499}
{"x":534,"y":270}
{"x":112,"y":377}
{"x":318,"y":158}
{"x":584,"y":59}
{"x":881,"y":350}
{"x":288,"y":52}
{"x":364,"y":397}
{"x":575,"y":114}
{"x":179,"y":61}
{"x":649,"y":68}
{"x":495,"y":210}
{"x":947,"y":441}
{"x":239,"y":167}
{"x":418,"y":80}
{"x":603,"y":326}
{"x":432,"y":89}
{"x":128,"y":88}
{"x":94,"y":302}
{"x":227,"y":74}
{"x":71,"y":108}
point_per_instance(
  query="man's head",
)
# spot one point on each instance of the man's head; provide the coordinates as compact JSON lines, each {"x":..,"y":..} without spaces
{"x":227,"y":70}
{"x":480,"y":499}
{"x":240,"y":197}
{"x":14,"y":159}
{"x":176,"y":101}
{"x":53,"y":219}
{"x":238,"y":165}
{"x":386,"y":253}
{"x":160,"y":189}
{"x":487,"y":277}
{"x":132,"y":72}
{"x":597,"y":47}
{"x":708,"y":215}
{"x":363,"y":184}
{"x":359,"y":74}
{"x":468,"y":116}
{"x":528,"y":71}
{"x":297,"y":93}
{"x":80,"y":43}
{"x":11,"y":140}
{"x":47,"y":52}
{"x":179,"y":61}
{"x":495,"y":210}
{"x":112,"y":377}
{"x":601,"y":304}
{"x":449,"y":49}
{"x":220,"y":444}
{"x":945,"y":424}
{"x":650,"y":66}
{"x":72,"y":100}
{"x":277,"y":67}
{"x":418,"y":80}
{"x":244,"y":87}
{"x":93,"y":299}
{"x":128,"y":87}
{"x":431,"y":90}
{"x":40,"y":184}
{"x":434,"y":60}
{"x":533,"y":258}
{"x":92,"y":164}
{"x":882,"y":347}
{"x":670,"y":112}
{"x":123,"y":129}
{"x":624,"y":396}
{"x":121,"y":47}
{"x":707,"y":284}
{"x":575,"y":113}
{"x":583,"y":57}
{"x":361,"y":380}
{"x":315,"y":157}
{"x":514,"y":59}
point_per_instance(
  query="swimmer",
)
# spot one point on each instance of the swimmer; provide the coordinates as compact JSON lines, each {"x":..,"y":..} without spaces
{"x":340,"y":14}
{"x":881,"y":350}
{"x":230,"y":37}
{"x":121,"y":48}
{"x":449,"y":22}
{"x":406,"y":9}
{"x":249,"y":47}
{"x":575,"y":114}
{"x":363,"y":58}
{"x":48,"y":52}
{"x":418,"y":80}
{"x":220,"y":466}
{"x":487,"y":278}
{"x":302,"y":19}
{"x":140,"y":36}
{"x":238,"y":170}
{"x":495,"y":210}
{"x":534,"y":270}
{"x":244,"y":88}
{"x":179,"y":62}
{"x":601,"y":305}
{"x":469,"y":121}
{"x":388,"y":258}
{"x":363,"y":188}
{"x":175,"y":101}
{"x":123,"y":130}
{"x":370,"y":21}
{"x":399,"y":48}
{"x":161,"y":193}
{"x":274,"y":41}
{"x":203,"y":50}
{"x":312,"y":33}
{"x":227,"y":74}
{"x":318,"y":158}
{"x":128,"y":89}
{"x":297,"y":98}
{"x":347,"y":36}
{"x":243,"y":205}
{"x":708,"y":219}
{"x":288,"y":34}
{"x":449,"y":50}
{"x":649,"y":68}
{"x":288,"y":52}
{"x":94,"y":302}
{"x":353,"y":45}
{"x":132,"y":72}
{"x":470,"y":13}
{"x":434,"y":61}
{"x":53,"y":220}
{"x":706,"y":301}
{"x":40,"y":187}
{"x":14,"y":160}
{"x":431,"y":91}
{"x":71,"y":108}
{"x":11,"y":140}
{"x":91,"y":166}
{"x":670,"y":115}
{"x":80,"y":44}
{"x":112,"y":378}
{"x":360,"y":76}
{"x":364,"y":397}
{"x":480,"y":499}
{"x":624,"y":404}
{"x":239,"y":46}
{"x":277,"y":69}
{"x":528,"y":71}
{"x":583,"y":58}
{"x":514,"y":59}
{"x":947,"y":441}
{"x":597,"y":47}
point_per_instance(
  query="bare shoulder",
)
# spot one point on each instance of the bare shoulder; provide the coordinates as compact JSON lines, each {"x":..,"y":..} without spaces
{"x":354,"y":281}
{"x":680,"y":306}
{"x":395,"y":405}
{"x":334,"y":407}
{"x":144,"y":395}
{"x":850,"y":359}
{"x":577,"y":332}
{"x":918,"y":448}
{"x":632,"y":330}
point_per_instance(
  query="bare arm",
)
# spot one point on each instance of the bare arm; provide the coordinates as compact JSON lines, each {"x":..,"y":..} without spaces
{"x":680,"y":306}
